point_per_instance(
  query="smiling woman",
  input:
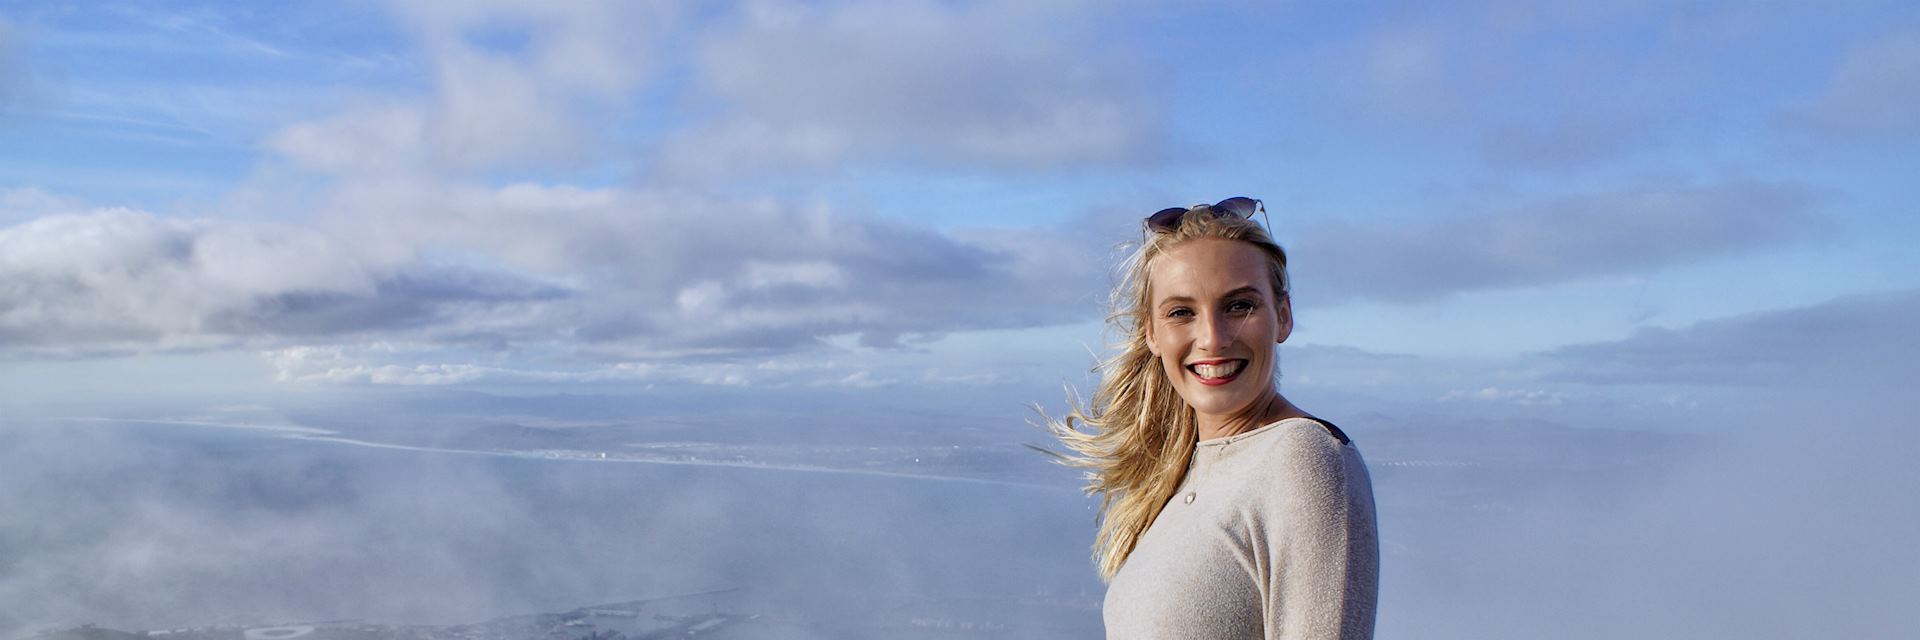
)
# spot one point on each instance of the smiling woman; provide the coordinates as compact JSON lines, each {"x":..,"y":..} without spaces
{"x":1227,"y":511}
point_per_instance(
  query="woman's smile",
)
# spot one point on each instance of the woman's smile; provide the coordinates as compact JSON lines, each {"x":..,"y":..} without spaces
{"x":1217,"y":372}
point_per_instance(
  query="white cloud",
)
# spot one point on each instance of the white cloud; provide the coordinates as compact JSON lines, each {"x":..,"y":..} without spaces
{"x":375,"y":364}
{"x":119,"y":279}
{"x":843,"y":364}
{"x":372,"y":139}
{"x":19,"y":204}
{"x":531,"y":103}
{"x":862,"y":380}
{"x":601,"y":47}
{"x":608,"y":275}
{"x":690,"y":271}
{"x":1522,"y":397}
{"x":395,"y":252}
{"x":812,"y":273}
{"x":997,"y":84}
{"x":386,"y":364}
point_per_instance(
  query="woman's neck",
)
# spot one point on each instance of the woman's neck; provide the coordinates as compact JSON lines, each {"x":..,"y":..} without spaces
{"x":1261,"y":412}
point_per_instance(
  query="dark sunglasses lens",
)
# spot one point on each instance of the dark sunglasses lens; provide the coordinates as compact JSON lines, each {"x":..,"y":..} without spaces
{"x":1239,"y":206}
{"x":1166,"y":219}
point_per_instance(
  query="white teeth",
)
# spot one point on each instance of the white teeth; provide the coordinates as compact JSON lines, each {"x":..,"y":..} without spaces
{"x":1221,"y":370}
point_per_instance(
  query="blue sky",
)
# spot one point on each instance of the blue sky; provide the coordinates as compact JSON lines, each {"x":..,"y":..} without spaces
{"x":1508,"y":204}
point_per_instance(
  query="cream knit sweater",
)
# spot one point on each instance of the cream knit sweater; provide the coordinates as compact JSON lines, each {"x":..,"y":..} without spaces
{"x":1271,"y":535}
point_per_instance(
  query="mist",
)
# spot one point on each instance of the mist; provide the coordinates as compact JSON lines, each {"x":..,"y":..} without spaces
{"x":1796,"y":522}
{"x":1502,"y":524}
{"x":154,"y":525}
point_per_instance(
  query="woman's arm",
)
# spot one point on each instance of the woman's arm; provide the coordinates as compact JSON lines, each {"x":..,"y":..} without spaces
{"x":1322,"y":575}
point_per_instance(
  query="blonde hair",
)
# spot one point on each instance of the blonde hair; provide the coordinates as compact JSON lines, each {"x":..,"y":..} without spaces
{"x":1143,"y":434}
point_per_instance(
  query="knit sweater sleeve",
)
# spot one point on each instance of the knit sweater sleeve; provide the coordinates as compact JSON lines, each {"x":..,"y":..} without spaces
{"x":1320,"y":570}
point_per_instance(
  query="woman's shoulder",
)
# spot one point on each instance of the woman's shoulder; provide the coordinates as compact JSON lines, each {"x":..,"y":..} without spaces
{"x":1302,"y":438}
{"x":1309,"y":455}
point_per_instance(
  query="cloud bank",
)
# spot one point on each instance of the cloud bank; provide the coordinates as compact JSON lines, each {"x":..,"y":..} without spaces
{"x":608,"y":274}
{"x":116,"y":280}
{"x":1551,"y":241}
{"x":1863,"y":341}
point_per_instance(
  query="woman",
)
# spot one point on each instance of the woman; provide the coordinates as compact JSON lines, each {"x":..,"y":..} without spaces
{"x":1227,"y":511}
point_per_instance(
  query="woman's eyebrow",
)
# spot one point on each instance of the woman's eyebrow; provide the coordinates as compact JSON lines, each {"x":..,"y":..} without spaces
{"x":1248,"y":290}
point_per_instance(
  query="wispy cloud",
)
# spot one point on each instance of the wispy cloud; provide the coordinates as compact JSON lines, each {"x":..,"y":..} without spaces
{"x":1523,"y":397}
{"x":1863,"y":341}
{"x":1554,"y":240}
{"x":533,"y":104}
{"x":12,"y":74}
{"x":20,"y":204}
{"x":358,"y":365}
{"x":1593,"y":85}
{"x":1869,"y":91}
{"x":1570,"y":140}
{"x":819,"y":88}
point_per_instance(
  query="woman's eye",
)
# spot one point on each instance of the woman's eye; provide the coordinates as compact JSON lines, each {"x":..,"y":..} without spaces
{"x":1240,"y":306}
{"x":1179,"y":312}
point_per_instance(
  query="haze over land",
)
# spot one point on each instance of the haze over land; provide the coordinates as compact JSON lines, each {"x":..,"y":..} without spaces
{"x":437,"y":312}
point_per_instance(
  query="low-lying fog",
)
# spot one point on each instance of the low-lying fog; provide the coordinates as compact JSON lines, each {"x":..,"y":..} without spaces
{"x":1496,"y":527}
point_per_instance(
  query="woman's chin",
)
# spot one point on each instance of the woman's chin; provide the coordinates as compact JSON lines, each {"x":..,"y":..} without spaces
{"x":1213,"y":401}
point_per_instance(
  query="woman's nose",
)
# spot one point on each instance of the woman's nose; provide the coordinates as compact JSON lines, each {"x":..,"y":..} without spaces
{"x":1216,"y":332}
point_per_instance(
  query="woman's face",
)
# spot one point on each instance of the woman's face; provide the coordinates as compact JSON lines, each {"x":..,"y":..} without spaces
{"x":1215,"y":320}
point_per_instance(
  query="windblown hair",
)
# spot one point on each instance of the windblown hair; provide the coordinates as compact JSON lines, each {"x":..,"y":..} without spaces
{"x":1142,"y":433}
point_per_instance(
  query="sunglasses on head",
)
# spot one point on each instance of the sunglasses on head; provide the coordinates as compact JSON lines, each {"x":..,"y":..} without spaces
{"x":1169,"y":218}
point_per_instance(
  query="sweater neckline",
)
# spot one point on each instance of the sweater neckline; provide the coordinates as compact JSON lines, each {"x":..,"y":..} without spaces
{"x":1226,"y":440}
{"x":1210,"y":452}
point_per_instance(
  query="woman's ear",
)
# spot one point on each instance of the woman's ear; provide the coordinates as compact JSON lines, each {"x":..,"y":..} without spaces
{"x":1285,"y":316}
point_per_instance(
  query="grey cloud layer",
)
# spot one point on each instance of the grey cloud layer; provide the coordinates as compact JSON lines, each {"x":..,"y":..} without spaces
{"x":1550,"y":241}
{"x":681,"y":272}
{"x":115,"y":280}
{"x":1871,"y":92}
{"x":620,"y":274}
{"x":625,"y":274}
{"x":1864,"y":341}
